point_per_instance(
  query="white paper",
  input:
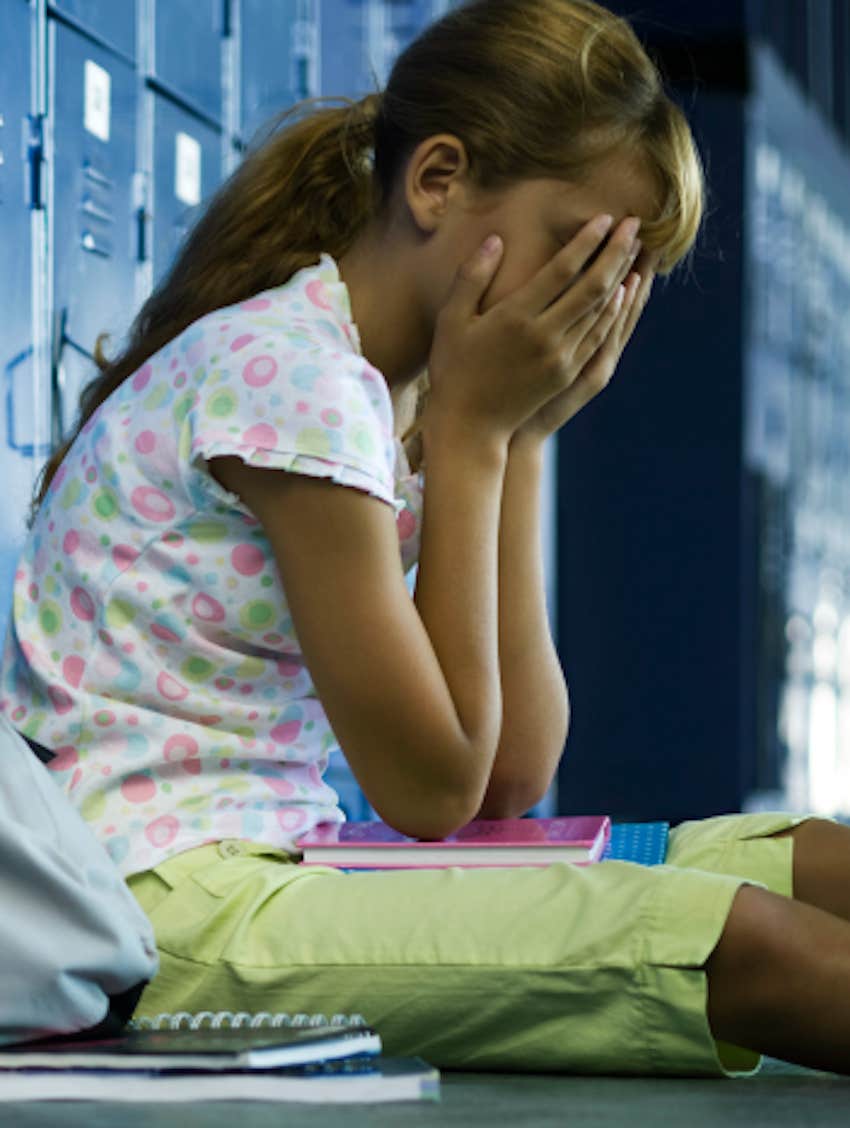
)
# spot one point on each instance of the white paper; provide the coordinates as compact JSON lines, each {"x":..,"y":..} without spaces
{"x":187,"y":174}
{"x":97,"y":100}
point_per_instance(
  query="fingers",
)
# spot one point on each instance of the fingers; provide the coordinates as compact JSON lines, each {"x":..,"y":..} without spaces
{"x":601,"y":349}
{"x":561,"y":272}
{"x":603,"y":331}
{"x":598,"y":327}
{"x":474,"y":277}
{"x":591,"y":291}
{"x":642,"y":295}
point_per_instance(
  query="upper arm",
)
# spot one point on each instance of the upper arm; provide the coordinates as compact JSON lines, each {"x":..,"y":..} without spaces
{"x":364,"y":644}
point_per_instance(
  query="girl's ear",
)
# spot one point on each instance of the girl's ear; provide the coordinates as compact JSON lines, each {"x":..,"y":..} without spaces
{"x":436,"y":177}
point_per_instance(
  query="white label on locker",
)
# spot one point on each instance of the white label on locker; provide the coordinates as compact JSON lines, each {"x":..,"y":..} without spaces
{"x":187,"y":175}
{"x":97,"y":104}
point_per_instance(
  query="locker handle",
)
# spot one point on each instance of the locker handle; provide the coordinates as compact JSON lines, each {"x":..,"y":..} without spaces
{"x":141,"y":235}
{"x":35,"y":160}
{"x":61,"y":339}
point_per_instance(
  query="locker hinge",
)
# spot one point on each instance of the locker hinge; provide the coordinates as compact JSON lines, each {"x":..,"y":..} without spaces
{"x":35,"y":161}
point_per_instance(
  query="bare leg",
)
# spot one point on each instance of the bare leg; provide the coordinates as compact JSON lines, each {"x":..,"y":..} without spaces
{"x":822,"y":865}
{"x":779,"y":981}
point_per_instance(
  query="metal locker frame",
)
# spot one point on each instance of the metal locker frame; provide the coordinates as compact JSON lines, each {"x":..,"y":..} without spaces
{"x":25,"y":425}
{"x":92,"y":229}
{"x":108,"y":22}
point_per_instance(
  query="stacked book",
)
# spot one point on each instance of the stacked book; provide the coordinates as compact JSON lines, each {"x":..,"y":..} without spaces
{"x":220,"y":1057}
{"x":486,"y":843}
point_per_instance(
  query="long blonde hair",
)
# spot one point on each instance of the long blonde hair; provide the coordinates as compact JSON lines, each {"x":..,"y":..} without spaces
{"x":531,"y":87}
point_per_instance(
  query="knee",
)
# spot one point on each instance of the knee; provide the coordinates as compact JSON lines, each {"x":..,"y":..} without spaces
{"x":755,"y":953}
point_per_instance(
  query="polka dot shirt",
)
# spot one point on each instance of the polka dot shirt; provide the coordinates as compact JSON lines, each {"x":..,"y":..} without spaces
{"x":150,"y":644}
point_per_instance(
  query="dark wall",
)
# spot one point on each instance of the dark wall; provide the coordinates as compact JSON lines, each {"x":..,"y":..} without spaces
{"x":672,"y":638}
{"x":649,"y":517}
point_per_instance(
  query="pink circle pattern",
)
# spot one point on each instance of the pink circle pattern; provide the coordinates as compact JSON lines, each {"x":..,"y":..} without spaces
{"x":164,"y":663}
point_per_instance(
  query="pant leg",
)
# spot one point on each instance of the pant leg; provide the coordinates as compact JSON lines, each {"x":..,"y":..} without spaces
{"x":742,"y":845}
{"x":596,"y":969}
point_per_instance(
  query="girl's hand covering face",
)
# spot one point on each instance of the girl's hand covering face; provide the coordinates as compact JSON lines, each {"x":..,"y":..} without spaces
{"x":604,"y":345}
{"x":533,"y":359}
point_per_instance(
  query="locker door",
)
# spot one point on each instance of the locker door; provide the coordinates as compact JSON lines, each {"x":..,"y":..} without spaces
{"x":280,"y":58}
{"x":186,"y":170}
{"x":18,"y":419}
{"x":113,"y":21}
{"x":93,"y":101}
{"x":402,"y":21}
{"x":187,"y":51}
{"x":362,"y":38}
{"x":345,"y":48}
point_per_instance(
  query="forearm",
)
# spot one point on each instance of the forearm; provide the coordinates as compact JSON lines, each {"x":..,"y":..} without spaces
{"x":457,"y":588}
{"x":535,"y":705}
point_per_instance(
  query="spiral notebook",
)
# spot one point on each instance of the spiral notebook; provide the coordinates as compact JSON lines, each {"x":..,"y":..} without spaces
{"x":214,"y":1043}
{"x":220,"y":1056}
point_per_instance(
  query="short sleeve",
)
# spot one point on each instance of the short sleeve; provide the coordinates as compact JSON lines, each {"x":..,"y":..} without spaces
{"x":316,"y":410}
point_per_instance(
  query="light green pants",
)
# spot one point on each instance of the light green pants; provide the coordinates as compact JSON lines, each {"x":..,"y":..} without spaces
{"x":595,"y":969}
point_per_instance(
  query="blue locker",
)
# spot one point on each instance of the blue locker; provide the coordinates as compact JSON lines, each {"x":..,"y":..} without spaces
{"x":18,"y":423}
{"x":361,"y":39}
{"x":113,"y":21}
{"x":186,"y":170}
{"x":333,"y":47}
{"x":187,"y":51}
{"x":346,"y":67}
{"x":93,"y":108}
{"x":403,"y":20}
{"x":279,"y":60}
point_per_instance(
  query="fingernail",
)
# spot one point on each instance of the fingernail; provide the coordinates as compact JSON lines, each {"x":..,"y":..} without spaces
{"x":491,"y":245}
{"x":603,"y":224}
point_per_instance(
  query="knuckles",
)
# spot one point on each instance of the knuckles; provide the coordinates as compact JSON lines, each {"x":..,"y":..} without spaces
{"x":596,"y":290}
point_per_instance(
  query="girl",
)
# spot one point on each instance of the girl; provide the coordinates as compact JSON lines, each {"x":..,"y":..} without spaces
{"x":213,"y":593}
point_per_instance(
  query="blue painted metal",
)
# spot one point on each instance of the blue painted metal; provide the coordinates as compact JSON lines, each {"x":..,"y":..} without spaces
{"x":93,"y":108}
{"x":187,"y":51}
{"x":17,"y":183}
{"x":280,"y":62}
{"x":180,"y":138}
{"x":111,"y":21}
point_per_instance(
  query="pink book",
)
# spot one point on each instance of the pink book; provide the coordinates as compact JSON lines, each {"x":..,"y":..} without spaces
{"x":485,"y":842}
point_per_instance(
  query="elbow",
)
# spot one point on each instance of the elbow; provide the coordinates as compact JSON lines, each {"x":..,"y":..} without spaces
{"x":511,"y":800}
{"x":433,"y":809}
{"x":433,"y":820}
{"x":429,"y":794}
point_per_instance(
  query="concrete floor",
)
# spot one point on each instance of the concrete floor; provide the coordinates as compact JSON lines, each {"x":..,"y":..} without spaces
{"x":780,"y":1095}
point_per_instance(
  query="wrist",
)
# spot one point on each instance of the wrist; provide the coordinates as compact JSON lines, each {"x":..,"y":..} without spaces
{"x":528,"y":446}
{"x":464,"y":438}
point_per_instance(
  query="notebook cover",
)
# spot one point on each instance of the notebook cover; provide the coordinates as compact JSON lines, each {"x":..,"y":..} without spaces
{"x":644,"y":843}
{"x":204,"y":1049}
{"x":348,"y":1082}
{"x":565,"y":830}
